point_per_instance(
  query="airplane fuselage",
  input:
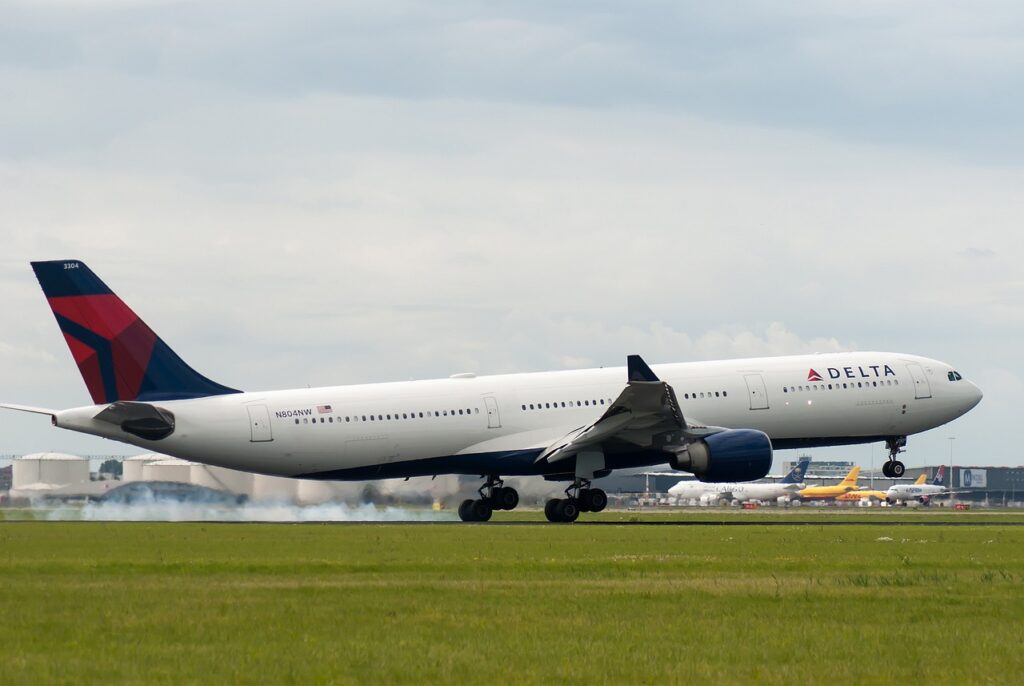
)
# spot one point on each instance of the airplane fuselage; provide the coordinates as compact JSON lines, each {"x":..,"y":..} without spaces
{"x":500,"y":424}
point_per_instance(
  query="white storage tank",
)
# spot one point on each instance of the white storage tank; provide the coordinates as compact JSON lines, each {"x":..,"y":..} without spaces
{"x":58,"y":469}
{"x":313,"y":492}
{"x":168,"y":469}
{"x":132,"y":466}
{"x":222,"y":479}
{"x":276,"y":488}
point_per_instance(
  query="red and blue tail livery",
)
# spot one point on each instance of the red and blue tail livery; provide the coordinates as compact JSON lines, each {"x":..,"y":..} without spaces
{"x":120,"y":358}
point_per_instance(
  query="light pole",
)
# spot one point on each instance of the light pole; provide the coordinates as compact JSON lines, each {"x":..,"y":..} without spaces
{"x":951,"y":439}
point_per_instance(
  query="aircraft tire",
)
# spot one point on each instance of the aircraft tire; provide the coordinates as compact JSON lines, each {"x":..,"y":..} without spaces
{"x":481,"y":510}
{"x":551,"y":510}
{"x":596,"y":500}
{"x":897,"y":469}
{"x":887,"y":470}
{"x":466,"y":510}
{"x":568,"y":510}
{"x":506,"y":498}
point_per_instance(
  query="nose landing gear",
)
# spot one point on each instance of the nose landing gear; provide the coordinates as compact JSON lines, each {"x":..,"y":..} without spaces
{"x":494,"y":495}
{"x":894,"y":469}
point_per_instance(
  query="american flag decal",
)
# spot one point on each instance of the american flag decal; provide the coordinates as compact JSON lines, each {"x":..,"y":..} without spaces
{"x":324,"y":409}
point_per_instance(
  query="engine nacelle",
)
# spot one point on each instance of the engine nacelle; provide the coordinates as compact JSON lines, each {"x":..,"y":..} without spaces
{"x":734,"y":455}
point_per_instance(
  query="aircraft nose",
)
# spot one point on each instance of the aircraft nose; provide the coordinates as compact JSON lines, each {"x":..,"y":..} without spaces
{"x":974,"y":394}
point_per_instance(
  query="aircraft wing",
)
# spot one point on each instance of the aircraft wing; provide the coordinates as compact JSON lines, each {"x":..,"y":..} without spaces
{"x":646,"y":414}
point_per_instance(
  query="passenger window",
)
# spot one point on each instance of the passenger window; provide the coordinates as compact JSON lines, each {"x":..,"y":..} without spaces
{"x":296,"y":421}
{"x":460,"y":411}
{"x":725,"y":394}
{"x":716,"y":394}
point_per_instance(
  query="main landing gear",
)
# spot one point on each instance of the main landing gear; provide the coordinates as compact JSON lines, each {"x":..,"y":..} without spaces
{"x":494,"y":495}
{"x":580,"y":497}
{"x":894,"y":469}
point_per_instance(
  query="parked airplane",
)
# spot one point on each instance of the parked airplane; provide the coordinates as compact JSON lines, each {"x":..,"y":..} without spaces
{"x":869,"y":494}
{"x":863,"y":494}
{"x":919,"y":491}
{"x":849,"y":483}
{"x":570,"y":425}
{"x":790,"y":484}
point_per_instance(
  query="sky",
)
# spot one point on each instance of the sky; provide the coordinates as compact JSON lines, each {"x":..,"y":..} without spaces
{"x":322,"y":193}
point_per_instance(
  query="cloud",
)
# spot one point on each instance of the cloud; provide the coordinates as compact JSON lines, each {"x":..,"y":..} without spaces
{"x":355,"y":193}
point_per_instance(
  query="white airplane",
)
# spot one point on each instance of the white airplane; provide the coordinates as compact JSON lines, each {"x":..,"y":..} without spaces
{"x":569,"y":425}
{"x":919,"y":492}
{"x":699,"y":490}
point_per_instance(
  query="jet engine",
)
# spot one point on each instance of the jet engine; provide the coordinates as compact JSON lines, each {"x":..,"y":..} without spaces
{"x":733,"y":455}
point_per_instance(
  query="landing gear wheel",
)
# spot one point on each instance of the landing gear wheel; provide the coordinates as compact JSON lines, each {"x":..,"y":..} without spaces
{"x":550,"y":510}
{"x":593,"y":500}
{"x":887,"y":470}
{"x":505,"y":498}
{"x":481,"y":510}
{"x":896,"y":468}
{"x":567,"y":510}
{"x":466,"y":510}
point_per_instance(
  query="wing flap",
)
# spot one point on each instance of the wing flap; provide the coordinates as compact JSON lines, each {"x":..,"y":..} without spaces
{"x":645,"y":414}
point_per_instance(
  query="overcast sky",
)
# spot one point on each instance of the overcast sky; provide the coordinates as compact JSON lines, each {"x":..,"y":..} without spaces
{"x":326,"y":193}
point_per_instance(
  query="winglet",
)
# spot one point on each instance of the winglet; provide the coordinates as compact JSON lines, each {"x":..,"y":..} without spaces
{"x":637,"y":369}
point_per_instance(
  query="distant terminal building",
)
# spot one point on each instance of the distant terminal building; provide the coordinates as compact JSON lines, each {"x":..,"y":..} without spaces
{"x":825,"y":468}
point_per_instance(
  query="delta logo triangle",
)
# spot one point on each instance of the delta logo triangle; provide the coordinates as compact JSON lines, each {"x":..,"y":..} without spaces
{"x":813,"y":376}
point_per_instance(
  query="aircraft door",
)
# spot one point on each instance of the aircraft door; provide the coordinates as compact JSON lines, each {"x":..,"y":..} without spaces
{"x":493,"y":418}
{"x":259,"y":424}
{"x":922,"y":389}
{"x":757,"y":392}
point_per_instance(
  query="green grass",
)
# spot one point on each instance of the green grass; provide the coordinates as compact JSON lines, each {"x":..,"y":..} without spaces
{"x":440,"y":604}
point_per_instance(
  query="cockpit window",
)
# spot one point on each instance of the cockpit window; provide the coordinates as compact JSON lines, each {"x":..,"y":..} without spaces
{"x":954,"y":376}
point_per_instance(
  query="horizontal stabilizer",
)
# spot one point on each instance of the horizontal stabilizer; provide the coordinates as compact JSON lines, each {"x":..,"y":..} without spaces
{"x":139,"y":419}
{"x":27,"y":408}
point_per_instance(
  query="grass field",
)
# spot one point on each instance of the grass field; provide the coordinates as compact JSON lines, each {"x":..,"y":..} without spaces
{"x":452,"y":603}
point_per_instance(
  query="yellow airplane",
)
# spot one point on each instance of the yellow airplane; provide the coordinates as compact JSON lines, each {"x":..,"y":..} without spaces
{"x":854,"y":496}
{"x":849,"y":483}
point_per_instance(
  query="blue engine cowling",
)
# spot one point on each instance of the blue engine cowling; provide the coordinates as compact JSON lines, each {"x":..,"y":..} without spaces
{"x":734,"y":455}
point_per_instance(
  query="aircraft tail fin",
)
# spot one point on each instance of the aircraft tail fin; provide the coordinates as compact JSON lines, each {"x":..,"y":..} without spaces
{"x":852,"y":477}
{"x":796,"y":475}
{"x":940,"y":476}
{"x":119,"y":357}
{"x":921,"y":479}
